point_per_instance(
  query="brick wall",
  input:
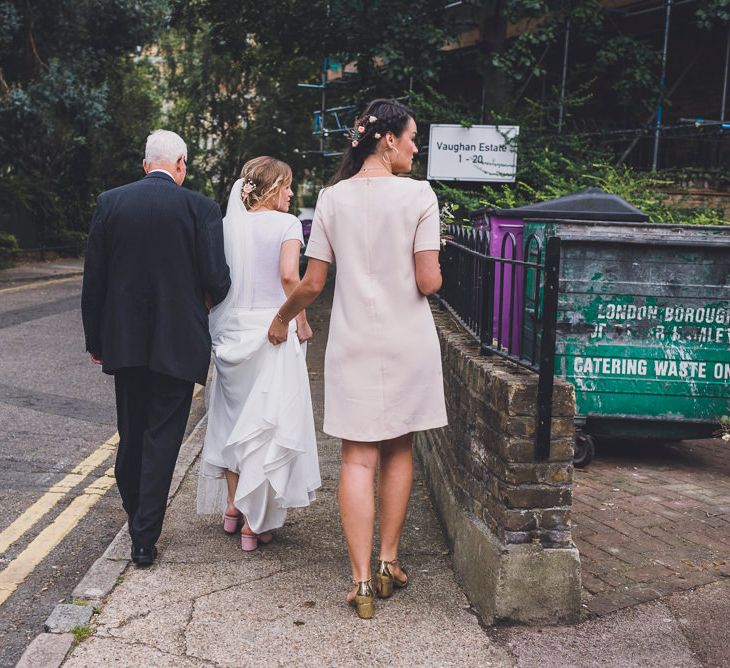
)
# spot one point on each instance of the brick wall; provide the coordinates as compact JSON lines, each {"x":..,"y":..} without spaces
{"x":713,"y":193}
{"x":482,"y":469}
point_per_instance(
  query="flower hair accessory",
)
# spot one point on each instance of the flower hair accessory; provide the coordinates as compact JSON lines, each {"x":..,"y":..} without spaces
{"x":361,"y":127}
{"x":248,"y":187}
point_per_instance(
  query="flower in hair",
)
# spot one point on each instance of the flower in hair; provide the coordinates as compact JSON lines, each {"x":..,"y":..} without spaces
{"x":356,"y":133}
{"x":248,"y":186}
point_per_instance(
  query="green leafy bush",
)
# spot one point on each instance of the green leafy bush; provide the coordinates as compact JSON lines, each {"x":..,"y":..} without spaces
{"x":549,"y":178}
{"x":8,"y":246}
{"x":551,"y":165}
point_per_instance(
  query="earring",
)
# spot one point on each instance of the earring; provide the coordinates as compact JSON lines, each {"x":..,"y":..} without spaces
{"x":388,"y":162}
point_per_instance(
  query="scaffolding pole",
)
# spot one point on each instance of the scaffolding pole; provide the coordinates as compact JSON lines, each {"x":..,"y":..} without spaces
{"x":561,"y":113}
{"x":662,"y":83}
{"x":724,"y":81}
{"x":323,"y":101}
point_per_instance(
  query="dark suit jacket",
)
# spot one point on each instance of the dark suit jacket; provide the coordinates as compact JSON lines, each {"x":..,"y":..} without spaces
{"x":154,"y":250}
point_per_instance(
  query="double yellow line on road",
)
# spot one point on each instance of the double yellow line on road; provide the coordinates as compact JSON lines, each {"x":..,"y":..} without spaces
{"x":46,"y":503}
{"x":41,"y":546}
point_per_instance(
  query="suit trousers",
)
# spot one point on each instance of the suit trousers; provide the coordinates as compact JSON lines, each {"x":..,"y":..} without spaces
{"x":152,"y":412}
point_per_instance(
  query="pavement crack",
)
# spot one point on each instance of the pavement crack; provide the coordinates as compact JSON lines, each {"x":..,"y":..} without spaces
{"x":128,"y":620}
{"x":242,"y":583}
{"x":140,"y":643}
{"x":195,"y":600}
{"x":186,"y":625}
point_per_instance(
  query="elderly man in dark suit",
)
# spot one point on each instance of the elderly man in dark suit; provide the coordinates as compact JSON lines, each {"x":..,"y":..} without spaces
{"x":154,"y":265}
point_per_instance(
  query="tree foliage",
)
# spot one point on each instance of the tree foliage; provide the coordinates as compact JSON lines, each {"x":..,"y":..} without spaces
{"x":710,"y":13}
{"x":552,"y":165}
{"x":76,"y":102}
{"x":233,"y":75}
{"x":82,"y":82}
{"x":616,"y":67}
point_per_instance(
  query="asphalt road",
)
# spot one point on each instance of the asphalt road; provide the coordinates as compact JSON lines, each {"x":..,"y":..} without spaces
{"x":56,"y":408}
{"x":56,"y":413}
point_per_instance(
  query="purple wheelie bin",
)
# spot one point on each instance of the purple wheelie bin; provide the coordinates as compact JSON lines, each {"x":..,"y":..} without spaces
{"x":505,"y":241}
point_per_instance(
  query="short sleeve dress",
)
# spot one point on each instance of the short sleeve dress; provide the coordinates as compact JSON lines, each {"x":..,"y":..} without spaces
{"x":383,"y":373}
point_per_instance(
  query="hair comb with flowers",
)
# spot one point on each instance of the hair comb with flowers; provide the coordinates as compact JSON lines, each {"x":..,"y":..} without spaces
{"x":248,"y":187}
{"x":355,"y":134}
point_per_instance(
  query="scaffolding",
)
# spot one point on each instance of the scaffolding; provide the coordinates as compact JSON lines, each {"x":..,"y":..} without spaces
{"x":657,"y":116}
{"x":328,"y":121}
{"x":332,"y":121}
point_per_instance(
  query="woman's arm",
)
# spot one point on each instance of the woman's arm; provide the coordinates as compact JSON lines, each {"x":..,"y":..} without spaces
{"x":428,"y":272}
{"x":289,"y":274}
{"x":289,"y":265}
{"x":301,"y":297}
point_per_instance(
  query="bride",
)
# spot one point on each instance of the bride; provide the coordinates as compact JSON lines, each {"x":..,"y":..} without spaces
{"x":260,"y":451}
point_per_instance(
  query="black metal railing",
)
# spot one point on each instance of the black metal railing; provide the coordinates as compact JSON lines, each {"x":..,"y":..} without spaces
{"x":508,"y":301}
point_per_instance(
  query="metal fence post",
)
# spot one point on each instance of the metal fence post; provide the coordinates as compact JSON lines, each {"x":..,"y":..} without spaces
{"x":547,"y":349}
{"x":486,"y":334}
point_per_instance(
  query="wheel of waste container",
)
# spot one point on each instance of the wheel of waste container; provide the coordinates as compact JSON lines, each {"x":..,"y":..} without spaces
{"x":585,"y":449}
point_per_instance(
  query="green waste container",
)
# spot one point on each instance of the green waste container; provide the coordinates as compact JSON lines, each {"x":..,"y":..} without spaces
{"x":643,"y":322}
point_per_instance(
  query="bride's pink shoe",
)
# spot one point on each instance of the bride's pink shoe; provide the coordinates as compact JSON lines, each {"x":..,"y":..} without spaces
{"x":231,"y":525}
{"x":250,"y":540}
{"x":249,"y":543}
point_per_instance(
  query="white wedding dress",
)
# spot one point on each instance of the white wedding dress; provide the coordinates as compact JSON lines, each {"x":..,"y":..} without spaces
{"x":260,"y":421}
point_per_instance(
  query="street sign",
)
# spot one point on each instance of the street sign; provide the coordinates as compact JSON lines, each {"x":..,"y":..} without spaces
{"x":478,"y":153}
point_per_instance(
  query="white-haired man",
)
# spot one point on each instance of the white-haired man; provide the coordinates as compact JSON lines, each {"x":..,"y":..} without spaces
{"x":154,"y":261}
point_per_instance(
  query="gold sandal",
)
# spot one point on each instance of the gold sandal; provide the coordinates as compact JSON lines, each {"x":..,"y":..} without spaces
{"x":364,"y":599}
{"x":384,"y":579}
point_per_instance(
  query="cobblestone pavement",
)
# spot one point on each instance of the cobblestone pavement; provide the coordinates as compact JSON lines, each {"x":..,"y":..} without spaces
{"x":652,"y":519}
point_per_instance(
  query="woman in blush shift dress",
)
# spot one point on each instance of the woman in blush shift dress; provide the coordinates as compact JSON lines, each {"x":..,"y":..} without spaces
{"x":383,"y":377}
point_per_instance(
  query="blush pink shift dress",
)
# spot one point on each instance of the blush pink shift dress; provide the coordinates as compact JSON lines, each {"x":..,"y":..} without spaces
{"x":382,"y":370}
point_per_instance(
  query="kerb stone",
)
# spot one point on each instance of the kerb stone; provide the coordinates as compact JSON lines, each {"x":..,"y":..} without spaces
{"x":67,"y":616}
{"x":48,"y":650}
{"x":100,"y":579}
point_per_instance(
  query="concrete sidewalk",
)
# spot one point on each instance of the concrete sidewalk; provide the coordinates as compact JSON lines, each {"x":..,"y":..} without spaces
{"x":32,"y":271}
{"x":206,"y":603}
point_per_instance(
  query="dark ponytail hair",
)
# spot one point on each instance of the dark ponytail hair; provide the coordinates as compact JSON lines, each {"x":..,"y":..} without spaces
{"x":391,"y":115}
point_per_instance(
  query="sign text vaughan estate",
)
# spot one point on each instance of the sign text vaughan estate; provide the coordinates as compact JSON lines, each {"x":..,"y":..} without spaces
{"x":460,"y":148}
{"x":478,"y":153}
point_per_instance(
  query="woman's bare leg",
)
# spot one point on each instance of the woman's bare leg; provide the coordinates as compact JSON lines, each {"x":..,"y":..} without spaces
{"x":357,"y":503}
{"x":232,"y":483}
{"x":394,"y":489}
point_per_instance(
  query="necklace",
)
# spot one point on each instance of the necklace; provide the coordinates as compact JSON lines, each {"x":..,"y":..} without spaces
{"x":366,"y":170}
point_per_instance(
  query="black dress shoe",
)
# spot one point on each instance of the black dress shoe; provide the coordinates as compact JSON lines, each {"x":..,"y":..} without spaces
{"x":144,"y":556}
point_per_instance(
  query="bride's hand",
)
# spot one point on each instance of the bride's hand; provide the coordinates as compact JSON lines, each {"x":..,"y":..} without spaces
{"x":278,"y":331}
{"x":304,"y":331}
